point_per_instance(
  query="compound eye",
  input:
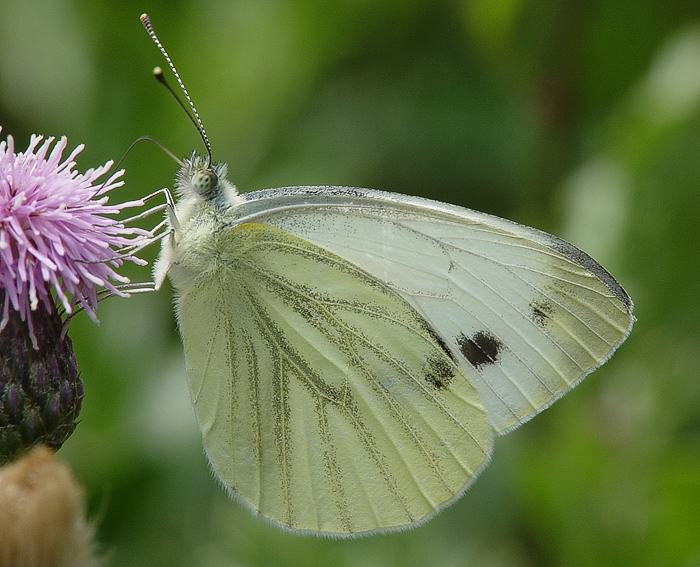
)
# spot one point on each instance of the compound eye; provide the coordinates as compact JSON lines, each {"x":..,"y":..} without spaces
{"x":204,"y":181}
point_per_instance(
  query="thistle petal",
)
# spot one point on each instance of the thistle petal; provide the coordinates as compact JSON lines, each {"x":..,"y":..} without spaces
{"x":58,"y":235}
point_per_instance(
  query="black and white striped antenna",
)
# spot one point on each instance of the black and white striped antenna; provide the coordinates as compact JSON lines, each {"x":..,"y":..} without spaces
{"x":158,"y":74}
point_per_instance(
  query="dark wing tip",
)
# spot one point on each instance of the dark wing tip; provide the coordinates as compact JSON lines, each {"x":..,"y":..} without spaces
{"x":582,"y":259}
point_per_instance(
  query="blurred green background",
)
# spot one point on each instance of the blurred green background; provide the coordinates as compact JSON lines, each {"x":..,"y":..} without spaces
{"x":580,"y":118}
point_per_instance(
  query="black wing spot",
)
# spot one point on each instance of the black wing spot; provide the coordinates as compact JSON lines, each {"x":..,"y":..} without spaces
{"x":482,"y":348}
{"x":441,"y":369}
{"x":440,"y":372}
{"x":541,"y":312}
{"x":441,"y":343}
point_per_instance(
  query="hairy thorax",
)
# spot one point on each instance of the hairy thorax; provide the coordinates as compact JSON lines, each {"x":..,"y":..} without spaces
{"x":192,"y":248}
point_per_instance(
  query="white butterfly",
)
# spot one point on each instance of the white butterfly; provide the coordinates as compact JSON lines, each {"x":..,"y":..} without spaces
{"x":351,"y":353}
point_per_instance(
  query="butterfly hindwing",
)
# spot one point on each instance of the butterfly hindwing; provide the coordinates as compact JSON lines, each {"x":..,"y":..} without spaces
{"x":327,"y":402}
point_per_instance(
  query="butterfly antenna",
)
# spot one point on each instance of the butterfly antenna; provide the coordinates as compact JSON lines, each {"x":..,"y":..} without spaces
{"x":158,"y":74}
{"x":160,"y":77}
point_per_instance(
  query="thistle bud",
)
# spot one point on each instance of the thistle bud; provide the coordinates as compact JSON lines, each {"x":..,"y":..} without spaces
{"x":40,"y":388}
{"x":42,"y":515}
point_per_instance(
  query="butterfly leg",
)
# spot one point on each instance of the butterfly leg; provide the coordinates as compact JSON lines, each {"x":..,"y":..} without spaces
{"x":146,"y":237}
{"x":160,"y":269}
{"x":171,"y":224}
{"x":122,"y":290}
{"x":172,"y":217}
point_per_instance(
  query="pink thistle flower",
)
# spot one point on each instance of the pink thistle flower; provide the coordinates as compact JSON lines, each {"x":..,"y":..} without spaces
{"x":57,"y":237}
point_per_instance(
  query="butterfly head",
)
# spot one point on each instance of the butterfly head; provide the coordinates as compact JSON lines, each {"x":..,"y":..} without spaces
{"x":199,"y":180}
{"x":204,"y":181}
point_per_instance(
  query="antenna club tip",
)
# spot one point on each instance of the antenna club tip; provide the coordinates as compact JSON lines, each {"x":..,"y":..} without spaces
{"x":144,"y":17}
{"x":160,"y":77}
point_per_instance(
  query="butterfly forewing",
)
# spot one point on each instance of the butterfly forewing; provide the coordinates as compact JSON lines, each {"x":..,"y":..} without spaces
{"x":327,"y":402}
{"x":526,"y":314}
